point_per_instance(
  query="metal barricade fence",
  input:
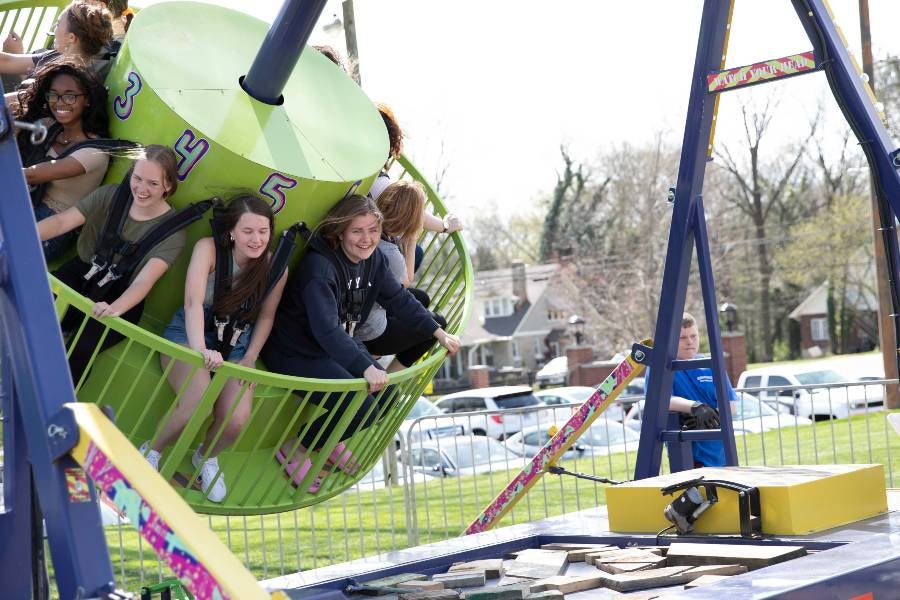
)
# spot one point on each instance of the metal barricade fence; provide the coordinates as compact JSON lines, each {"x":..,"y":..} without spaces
{"x":407,"y":500}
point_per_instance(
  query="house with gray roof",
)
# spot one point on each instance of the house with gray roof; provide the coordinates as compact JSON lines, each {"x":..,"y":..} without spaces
{"x":518,"y":321}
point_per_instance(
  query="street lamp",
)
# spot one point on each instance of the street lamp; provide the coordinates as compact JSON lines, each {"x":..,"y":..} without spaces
{"x":577,"y":325}
{"x":728,"y":312}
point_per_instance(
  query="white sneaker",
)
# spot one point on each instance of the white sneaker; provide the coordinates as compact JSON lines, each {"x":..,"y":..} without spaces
{"x":208,"y":472}
{"x":153,"y":457}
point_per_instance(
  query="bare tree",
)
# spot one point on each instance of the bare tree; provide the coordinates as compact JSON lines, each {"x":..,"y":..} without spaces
{"x":761,"y":188}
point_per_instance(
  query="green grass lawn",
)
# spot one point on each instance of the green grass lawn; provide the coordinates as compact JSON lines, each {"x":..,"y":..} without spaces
{"x":359,"y":524}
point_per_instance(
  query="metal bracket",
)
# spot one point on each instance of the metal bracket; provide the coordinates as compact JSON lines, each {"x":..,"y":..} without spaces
{"x":748,"y":501}
{"x":62,"y":433}
{"x":641,"y":353}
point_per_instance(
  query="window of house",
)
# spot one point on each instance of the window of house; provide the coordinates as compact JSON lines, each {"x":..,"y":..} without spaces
{"x":819,"y":329}
{"x":498,"y":307}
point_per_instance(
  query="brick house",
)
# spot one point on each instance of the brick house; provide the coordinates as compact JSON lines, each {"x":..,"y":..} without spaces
{"x":518,"y":321}
{"x":812,"y":315}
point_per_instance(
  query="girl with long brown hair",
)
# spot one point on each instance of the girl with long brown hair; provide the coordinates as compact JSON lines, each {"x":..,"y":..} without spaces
{"x":339,"y":279}
{"x":246,"y":227}
{"x":402,"y":205}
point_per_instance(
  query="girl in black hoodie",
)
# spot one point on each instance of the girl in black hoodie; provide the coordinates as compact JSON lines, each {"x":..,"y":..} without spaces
{"x":337,"y":282}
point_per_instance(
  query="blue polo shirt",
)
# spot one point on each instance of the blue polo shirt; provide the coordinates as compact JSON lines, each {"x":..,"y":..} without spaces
{"x":698,"y":385}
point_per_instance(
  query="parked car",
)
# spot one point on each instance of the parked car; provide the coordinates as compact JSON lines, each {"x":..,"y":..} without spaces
{"x":555,"y":372}
{"x":815,"y":403}
{"x":575,"y":396}
{"x":749,"y":415}
{"x":451,"y":457}
{"x":752,"y":415}
{"x":604,"y":436}
{"x":375,"y":478}
{"x":498,"y":399}
{"x":432,"y":424}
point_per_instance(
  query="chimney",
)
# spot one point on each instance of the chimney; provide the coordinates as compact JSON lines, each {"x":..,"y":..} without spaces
{"x":519,"y":283}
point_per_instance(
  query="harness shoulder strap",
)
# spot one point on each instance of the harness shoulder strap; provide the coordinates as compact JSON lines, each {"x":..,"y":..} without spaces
{"x":133,"y":252}
{"x":110,"y":236}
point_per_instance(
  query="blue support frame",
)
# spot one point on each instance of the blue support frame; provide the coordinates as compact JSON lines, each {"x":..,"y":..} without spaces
{"x":281,"y":49}
{"x":36,"y":384}
{"x":688,"y":228}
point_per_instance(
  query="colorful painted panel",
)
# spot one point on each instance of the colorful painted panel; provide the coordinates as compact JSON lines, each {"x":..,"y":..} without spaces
{"x":558,"y":444}
{"x":730,"y":79}
{"x":152,"y":527}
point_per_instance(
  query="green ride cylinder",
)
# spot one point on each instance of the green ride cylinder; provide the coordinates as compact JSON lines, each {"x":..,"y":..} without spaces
{"x":176,"y":82}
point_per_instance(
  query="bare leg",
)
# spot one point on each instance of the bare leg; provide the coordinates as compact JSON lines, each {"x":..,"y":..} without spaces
{"x":189,"y":399}
{"x":231,"y":428}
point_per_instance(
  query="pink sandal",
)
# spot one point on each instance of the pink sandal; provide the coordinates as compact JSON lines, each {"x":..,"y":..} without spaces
{"x":297,"y":469}
{"x":343,"y":459}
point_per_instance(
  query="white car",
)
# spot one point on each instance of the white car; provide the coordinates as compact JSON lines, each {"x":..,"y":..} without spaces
{"x":451,"y":457}
{"x":813,"y":402}
{"x":426,"y":422}
{"x":555,"y":372}
{"x":604,"y":436}
{"x":511,"y":407}
{"x":749,"y":415}
{"x":575,"y":396}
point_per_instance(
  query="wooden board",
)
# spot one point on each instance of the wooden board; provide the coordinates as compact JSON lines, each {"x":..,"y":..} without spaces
{"x":626,"y":582}
{"x":538,"y":564}
{"x":717,"y":570}
{"x":750,"y":555}
{"x":568,"y":584}
{"x":431,"y":595}
{"x":492,"y":567}
{"x":393,"y":580}
{"x":704,"y":580}
{"x":460,"y":579}
{"x":421,"y":585}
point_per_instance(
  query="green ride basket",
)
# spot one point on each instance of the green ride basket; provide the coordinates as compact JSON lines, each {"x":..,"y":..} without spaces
{"x":129,"y":378}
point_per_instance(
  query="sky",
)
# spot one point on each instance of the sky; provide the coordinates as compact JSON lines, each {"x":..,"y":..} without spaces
{"x":490,"y":90}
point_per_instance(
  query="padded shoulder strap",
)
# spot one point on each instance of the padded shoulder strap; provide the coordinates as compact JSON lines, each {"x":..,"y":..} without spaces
{"x":111,"y":235}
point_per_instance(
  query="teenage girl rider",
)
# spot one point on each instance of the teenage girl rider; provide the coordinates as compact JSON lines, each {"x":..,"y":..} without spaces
{"x":246,"y":228}
{"x":449,"y":223}
{"x":83,"y":30}
{"x":134,"y":214}
{"x":67,"y":99}
{"x":313,"y":332}
{"x":402,"y":204}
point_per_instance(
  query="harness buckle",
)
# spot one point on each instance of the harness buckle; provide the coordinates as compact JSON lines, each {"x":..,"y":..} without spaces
{"x":351,"y":327}
{"x":111,"y":275}
{"x":237,"y":332}
{"x":95,"y":268}
{"x":220,"y":327}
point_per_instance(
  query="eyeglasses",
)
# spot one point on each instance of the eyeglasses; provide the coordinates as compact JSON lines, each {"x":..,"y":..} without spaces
{"x":53,"y":97}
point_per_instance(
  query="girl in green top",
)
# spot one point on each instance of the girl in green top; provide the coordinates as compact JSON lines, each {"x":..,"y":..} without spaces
{"x":154,"y":178}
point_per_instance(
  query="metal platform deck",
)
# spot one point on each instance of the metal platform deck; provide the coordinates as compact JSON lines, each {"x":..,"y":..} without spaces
{"x":853,"y":561}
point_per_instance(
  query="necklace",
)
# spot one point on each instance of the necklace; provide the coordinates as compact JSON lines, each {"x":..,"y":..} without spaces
{"x":63,"y":142}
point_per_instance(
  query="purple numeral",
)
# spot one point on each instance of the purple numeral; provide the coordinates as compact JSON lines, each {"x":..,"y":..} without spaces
{"x":124,"y":105}
{"x":190,"y":150}
{"x":272,"y":188}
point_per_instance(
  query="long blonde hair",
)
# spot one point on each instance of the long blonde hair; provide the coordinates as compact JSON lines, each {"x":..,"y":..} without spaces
{"x":403,"y":205}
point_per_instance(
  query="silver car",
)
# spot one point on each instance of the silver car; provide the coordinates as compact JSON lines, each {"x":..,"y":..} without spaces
{"x":451,"y":457}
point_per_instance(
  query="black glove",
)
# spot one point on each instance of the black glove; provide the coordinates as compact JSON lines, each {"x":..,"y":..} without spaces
{"x":702,"y":416}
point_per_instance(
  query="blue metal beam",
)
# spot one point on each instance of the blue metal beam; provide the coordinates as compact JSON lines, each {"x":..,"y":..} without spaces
{"x":281,"y":49}
{"x":36,"y":363}
{"x":682,"y":236}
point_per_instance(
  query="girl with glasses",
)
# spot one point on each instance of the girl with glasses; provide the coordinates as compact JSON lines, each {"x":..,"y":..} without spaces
{"x":66,"y":167}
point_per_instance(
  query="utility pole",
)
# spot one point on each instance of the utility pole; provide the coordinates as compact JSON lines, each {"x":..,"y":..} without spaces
{"x":350,"y":39}
{"x":886,"y":331}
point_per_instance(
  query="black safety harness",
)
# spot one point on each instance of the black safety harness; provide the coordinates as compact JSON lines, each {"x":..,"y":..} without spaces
{"x":115,"y":258}
{"x":230,"y":327}
{"x":33,"y":154}
{"x":352,"y":298}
